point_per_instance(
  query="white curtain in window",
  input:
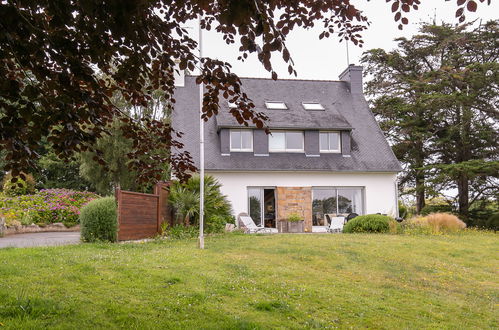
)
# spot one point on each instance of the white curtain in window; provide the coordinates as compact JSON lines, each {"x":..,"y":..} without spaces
{"x":294,"y":140}
{"x":277,"y":141}
{"x":246,"y":139}
{"x":235,"y":139}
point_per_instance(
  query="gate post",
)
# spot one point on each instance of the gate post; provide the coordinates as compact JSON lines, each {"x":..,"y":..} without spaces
{"x":117,"y":197}
{"x":161,"y":190}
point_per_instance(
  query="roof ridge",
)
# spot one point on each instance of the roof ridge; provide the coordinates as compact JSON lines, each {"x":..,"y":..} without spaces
{"x":281,"y":79}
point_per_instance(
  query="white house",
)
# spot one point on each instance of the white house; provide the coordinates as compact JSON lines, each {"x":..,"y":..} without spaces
{"x":326,"y":154}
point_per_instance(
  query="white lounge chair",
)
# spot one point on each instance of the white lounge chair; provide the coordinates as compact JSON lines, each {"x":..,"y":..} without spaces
{"x":337,"y":224}
{"x":249,"y":225}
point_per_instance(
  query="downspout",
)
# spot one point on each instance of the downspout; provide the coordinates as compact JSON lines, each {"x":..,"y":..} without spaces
{"x":397,"y":214}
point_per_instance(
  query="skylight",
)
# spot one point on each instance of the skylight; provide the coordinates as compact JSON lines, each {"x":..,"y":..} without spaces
{"x":312,"y":106}
{"x":276,"y":105}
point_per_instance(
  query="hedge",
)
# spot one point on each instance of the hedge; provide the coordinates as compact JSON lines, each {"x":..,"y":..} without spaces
{"x":99,"y":221}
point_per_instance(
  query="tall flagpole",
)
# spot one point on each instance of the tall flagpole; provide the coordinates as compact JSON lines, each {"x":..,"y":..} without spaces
{"x":201,"y":147}
{"x":348,"y":55}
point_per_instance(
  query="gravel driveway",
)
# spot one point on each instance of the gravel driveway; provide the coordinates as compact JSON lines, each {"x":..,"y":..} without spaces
{"x":40,"y":239}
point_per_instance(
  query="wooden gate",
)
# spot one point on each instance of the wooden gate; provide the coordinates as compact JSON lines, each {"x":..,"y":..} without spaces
{"x":141,"y":215}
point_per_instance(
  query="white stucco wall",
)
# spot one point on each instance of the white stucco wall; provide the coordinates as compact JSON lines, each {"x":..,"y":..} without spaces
{"x":379,"y":188}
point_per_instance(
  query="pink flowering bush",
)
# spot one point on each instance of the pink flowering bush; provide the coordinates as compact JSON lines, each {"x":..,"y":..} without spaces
{"x":45,"y":207}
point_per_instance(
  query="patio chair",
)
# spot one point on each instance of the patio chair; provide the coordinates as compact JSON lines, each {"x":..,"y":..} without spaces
{"x":351,"y":216}
{"x":249,"y":225}
{"x":337,"y":224}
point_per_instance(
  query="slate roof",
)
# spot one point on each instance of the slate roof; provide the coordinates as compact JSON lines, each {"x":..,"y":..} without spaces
{"x":343,"y":110}
{"x":293,"y":93}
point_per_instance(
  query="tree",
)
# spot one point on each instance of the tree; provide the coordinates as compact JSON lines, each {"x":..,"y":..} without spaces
{"x":398,"y":93}
{"x":55,"y":173}
{"x":184,"y":198}
{"x":2,"y":164}
{"x":114,"y":149}
{"x":62,"y":61}
{"x":436,"y":97}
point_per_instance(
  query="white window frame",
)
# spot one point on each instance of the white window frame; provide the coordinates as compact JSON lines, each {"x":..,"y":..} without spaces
{"x":302,"y":150}
{"x":240,"y":149}
{"x":319,"y":106}
{"x":331,"y":151}
{"x":276,"y":105}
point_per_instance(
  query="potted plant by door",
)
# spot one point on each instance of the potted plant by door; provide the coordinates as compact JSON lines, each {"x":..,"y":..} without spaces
{"x":282,"y":226}
{"x":296,"y":223}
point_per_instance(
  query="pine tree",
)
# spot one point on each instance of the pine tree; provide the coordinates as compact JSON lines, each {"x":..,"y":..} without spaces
{"x":115,"y":149}
{"x":436,"y":97}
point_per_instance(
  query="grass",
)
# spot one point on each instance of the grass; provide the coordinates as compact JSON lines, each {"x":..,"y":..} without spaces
{"x":253,"y":282}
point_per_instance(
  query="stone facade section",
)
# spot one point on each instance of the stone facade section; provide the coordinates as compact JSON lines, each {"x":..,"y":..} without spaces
{"x":295,"y":200}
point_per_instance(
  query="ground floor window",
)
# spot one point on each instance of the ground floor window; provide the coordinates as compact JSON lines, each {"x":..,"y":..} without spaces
{"x":335,"y":201}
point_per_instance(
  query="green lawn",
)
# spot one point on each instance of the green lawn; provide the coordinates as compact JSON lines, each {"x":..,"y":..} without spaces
{"x":247,"y":282}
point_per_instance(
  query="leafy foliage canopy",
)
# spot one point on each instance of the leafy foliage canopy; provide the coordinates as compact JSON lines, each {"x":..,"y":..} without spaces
{"x":62,"y":61}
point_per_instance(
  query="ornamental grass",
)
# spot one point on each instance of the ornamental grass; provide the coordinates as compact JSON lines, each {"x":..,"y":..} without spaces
{"x":438,"y":222}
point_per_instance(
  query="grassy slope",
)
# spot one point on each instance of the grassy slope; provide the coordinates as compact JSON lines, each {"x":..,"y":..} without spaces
{"x":287,"y":281}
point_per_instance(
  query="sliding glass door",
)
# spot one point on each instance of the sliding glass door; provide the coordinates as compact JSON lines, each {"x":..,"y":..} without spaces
{"x":255,"y":205}
{"x":323,"y":202}
{"x":349,"y":201}
{"x":262,"y":206}
{"x":330,"y":202}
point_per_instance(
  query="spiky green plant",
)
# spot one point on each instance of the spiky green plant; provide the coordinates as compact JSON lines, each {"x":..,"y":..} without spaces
{"x":184,"y":198}
{"x":185,"y":202}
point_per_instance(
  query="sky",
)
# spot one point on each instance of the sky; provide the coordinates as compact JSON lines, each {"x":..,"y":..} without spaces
{"x":325,"y":59}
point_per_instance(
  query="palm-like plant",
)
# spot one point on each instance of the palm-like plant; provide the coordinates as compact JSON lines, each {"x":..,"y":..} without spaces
{"x":215,"y":203}
{"x":185,"y":199}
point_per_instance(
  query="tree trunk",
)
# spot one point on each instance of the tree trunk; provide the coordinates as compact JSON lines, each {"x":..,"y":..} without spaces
{"x":187,"y":221}
{"x":463,"y":195}
{"x":420,"y":191}
{"x":464,"y":154}
{"x":420,"y":176}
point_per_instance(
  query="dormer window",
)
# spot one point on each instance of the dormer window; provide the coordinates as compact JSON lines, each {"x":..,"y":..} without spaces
{"x":330,"y":142}
{"x":271,"y":105}
{"x":312,"y":106}
{"x":241,"y":140}
{"x":286,"y":141}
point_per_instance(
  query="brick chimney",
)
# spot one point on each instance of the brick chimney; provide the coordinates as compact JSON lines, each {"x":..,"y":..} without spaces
{"x":353,"y":76}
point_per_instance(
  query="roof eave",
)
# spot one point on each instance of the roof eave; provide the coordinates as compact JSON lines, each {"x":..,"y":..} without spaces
{"x":304,"y":128}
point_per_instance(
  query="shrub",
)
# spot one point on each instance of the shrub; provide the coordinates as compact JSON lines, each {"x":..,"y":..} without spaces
{"x":436,"y":208}
{"x":216,"y":223}
{"x":371,"y":223}
{"x":486,"y":219}
{"x":403,"y":211}
{"x":439,"y":222}
{"x":395,"y":227}
{"x":184,"y":197}
{"x":45,"y":207}
{"x":492,"y":222}
{"x":294,"y":217}
{"x":99,"y":221}
{"x":185,"y":202}
{"x":20,"y":187}
{"x":181,"y":232}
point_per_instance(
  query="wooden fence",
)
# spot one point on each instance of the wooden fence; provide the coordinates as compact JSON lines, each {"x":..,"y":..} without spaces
{"x":141,"y":215}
